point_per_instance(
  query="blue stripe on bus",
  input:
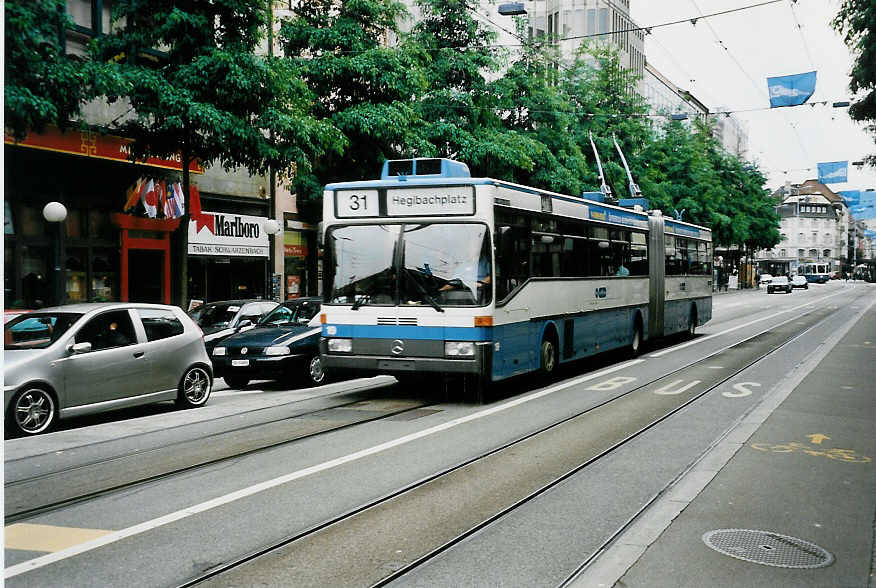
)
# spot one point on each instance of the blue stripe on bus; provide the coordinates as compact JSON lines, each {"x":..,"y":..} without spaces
{"x":410,"y":332}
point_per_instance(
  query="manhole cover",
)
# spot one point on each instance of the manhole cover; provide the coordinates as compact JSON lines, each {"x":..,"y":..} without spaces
{"x":769,"y":549}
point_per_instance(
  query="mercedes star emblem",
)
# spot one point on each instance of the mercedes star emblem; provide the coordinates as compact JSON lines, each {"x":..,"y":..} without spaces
{"x":243,"y":350}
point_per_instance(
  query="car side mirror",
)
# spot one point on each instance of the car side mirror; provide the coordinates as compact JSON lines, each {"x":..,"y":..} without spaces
{"x":77,"y":348}
{"x":244,"y":323}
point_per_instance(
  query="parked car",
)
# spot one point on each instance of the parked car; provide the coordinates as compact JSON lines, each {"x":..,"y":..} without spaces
{"x":84,"y":358}
{"x":799,"y":282}
{"x":765,"y":279}
{"x":283,"y":345}
{"x":221,"y":319}
{"x":834,"y":275}
{"x":779,"y":283}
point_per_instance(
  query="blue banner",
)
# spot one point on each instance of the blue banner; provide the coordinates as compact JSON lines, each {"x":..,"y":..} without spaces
{"x":833,"y":172}
{"x":852,"y":197}
{"x":791,"y":90}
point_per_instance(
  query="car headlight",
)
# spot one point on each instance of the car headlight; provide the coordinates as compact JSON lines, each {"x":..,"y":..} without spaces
{"x":277,"y":350}
{"x":219,"y":351}
{"x":459,"y":348}
{"x":340,"y":345}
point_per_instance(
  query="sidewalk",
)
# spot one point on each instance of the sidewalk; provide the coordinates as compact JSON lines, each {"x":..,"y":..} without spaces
{"x":794,"y":505}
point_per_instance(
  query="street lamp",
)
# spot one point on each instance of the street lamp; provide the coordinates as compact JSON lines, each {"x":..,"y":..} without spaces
{"x":56,"y":213}
{"x":272,"y":227}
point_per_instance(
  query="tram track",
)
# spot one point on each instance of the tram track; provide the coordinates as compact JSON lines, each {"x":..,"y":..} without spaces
{"x":588,"y":423}
{"x":87,"y":481}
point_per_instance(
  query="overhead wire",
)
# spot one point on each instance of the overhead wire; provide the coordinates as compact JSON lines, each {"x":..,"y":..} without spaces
{"x":802,"y":36}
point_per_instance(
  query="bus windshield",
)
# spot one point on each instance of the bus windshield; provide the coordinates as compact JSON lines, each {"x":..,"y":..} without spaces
{"x":434,"y":264}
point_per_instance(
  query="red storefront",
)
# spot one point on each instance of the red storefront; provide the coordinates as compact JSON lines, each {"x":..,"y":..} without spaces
{"x":87,"y":256}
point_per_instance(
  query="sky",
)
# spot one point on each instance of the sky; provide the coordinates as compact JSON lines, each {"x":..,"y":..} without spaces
{"x":724,"y":62}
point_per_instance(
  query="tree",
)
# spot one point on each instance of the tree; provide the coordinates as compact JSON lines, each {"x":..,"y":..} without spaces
{"x":459,"y":109}
{"x":856,"y":19}
{"x":43,"y":85}
{"x":361,"y":88}
{"x":197,"y":87}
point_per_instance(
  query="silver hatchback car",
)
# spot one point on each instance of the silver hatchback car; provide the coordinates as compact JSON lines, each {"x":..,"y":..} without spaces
{"x":84,"y":358}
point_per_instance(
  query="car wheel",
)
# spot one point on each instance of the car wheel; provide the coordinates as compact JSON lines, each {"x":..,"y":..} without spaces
{"x":236,"y":380}
{"x":194,"y":388}
{"x":32,"y":411}
{"x":315,"y":372}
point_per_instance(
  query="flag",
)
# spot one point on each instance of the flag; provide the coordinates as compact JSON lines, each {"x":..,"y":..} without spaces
{"x":160,"y":196}
{"x":132,"y":195}
{"x":791,"y":90}
{"x":180,"y":200}
{"x":170,"y":209}
{"x":833,"y":172}
{"x":148,"y":199}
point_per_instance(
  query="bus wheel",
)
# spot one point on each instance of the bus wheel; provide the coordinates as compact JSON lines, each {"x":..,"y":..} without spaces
{"x":636,"y":343}
{"x":548,"y":356}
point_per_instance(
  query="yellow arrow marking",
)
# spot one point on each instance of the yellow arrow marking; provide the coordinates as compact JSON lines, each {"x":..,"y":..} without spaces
{"x":817,"y":438}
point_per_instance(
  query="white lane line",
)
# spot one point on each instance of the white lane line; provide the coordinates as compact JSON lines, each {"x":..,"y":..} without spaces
{"x":115,"y":536}
{"x":699,"y":340}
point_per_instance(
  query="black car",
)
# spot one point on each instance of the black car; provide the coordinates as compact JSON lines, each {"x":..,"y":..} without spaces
{"x":218,"y":320}
{"x":283,"y":345}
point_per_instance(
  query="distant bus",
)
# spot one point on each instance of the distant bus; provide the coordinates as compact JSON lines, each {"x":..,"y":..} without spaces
{"x":818,"y":273}
{"x":430,"y":271}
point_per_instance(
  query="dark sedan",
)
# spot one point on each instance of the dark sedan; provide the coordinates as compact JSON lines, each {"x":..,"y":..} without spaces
{"x":283,"y":345}
{"x":221,"y":319}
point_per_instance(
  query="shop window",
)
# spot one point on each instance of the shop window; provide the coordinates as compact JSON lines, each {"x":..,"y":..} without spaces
{"x":74,"y":223}
{"x":32,"y":223}
{"x":104,"y":275}
{"x":8,"y":225}
{"x":99,"y":226}
{"x":75,"y":266}
{"x":9,"y":290}
{"x":35,"y":287}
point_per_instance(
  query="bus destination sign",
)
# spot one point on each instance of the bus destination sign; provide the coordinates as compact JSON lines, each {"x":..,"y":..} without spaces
{"x":356,"y":203}
{"x":431,"y":201}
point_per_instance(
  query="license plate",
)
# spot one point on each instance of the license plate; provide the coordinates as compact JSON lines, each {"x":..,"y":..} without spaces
{"x":240,"y":362}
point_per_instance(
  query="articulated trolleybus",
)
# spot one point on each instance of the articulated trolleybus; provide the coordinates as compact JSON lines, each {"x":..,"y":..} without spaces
{"x":430,"y":271}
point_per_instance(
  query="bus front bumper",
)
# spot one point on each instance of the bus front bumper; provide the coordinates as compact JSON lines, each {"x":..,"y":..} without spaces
{"x":481,"y":363}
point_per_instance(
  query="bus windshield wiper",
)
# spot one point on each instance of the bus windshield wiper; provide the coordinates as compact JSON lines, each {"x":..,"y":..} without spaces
{"x":422,"y":290}
{"x":360,"y":302}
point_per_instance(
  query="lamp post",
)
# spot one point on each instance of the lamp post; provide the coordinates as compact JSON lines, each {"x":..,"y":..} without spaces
{"x":56,"y":213}
{"x":272,"y":227}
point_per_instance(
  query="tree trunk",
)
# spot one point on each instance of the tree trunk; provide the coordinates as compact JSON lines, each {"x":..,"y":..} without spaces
{"x":184,"y":236}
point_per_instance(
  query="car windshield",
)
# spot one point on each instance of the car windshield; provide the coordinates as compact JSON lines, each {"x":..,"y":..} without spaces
{"x":780,"y":280}
{"x":37,"y":330}
{"x":291,"y":314}
{"x":437,"y":264}
{"x":217,"y":315}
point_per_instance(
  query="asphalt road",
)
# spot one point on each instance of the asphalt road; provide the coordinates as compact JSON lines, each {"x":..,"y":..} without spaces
{"x":266,"y":464}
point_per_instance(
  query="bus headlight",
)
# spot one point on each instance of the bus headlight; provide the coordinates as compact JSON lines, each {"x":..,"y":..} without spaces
{"x":459,"y":349}
{"x":340,"y":345}
{"x":277,"y":350}
{"x":218,"y":351}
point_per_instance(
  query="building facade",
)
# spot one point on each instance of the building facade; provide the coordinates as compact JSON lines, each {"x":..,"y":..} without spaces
{"x":101,"y":252}
{"x":814,"y":228}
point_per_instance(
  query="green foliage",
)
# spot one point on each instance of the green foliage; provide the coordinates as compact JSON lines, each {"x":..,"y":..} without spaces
{"x":43,"y":85}
{"x":195,"y":83}
{"x":360,"y":88}
{"x":856,"y":19}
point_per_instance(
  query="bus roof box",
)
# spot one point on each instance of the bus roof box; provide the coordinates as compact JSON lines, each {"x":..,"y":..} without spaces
{"x":432,"y":167}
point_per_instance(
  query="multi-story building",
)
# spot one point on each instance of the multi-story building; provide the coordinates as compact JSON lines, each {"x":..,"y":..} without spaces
{"x":100,"y":253}
{"x":814,"y":228}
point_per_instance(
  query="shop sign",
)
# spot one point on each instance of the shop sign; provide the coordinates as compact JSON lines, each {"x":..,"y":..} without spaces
{"x":228,"y":234}
{"x":96,"y":145}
